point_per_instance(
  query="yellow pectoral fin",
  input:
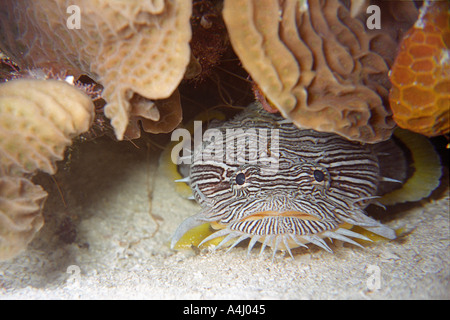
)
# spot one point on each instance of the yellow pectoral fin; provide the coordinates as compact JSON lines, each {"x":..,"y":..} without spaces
{"x":371,"y":235}
{"x":193,"y":237}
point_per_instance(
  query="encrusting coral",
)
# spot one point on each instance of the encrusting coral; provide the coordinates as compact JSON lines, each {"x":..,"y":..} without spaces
{"x":38,"y":119}
{"x":209,"y":39}
{"x":316,"y":63}
{"x":130,"y":47}
{"x":420,"y":94}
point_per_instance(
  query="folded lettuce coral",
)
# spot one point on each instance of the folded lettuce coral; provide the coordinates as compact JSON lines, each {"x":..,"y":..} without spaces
{"x":38,"y":119}
{"x":316,"y":63}
{"x":130,"y":47}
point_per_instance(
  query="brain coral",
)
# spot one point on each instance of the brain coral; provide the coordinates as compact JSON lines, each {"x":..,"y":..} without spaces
{"x":316,"y":63}
{"x":130,"y":47}
{"x":38,"y":118}
{"x":420,"y":94}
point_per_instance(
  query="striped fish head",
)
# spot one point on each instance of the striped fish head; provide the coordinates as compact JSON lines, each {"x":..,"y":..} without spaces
{"x":321,"y":182}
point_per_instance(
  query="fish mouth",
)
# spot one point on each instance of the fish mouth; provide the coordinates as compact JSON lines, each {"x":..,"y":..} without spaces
{"x":291,"y":213}
{"x":281,"y":237}
{"x":274,"y":222}
{"x":280,"y":230}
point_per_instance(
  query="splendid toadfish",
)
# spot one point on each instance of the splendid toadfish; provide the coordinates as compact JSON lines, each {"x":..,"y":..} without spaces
{"x":259,"y":177}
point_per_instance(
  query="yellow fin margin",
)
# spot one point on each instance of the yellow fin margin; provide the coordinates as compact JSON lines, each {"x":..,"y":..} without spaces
{"x":427,"y":173}
{"x":193,"y":237}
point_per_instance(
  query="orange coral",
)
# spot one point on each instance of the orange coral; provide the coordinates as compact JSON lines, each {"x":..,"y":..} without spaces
{"x":420,"y":94}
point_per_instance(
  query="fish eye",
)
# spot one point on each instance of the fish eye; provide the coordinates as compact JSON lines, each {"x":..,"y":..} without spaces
{"x":240,"y":179}
{"x":319,"y":175}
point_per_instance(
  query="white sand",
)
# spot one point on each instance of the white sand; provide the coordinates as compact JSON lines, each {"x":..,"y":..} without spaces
{"x":116,"y":256}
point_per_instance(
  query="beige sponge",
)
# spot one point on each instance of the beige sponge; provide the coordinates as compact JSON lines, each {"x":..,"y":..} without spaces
{"x":128,"y":46}
{"x":21,"y":204}
{"x":38,"y":119}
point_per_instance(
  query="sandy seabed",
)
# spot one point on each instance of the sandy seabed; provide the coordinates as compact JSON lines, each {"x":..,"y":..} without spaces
{"x":111,"y":240}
